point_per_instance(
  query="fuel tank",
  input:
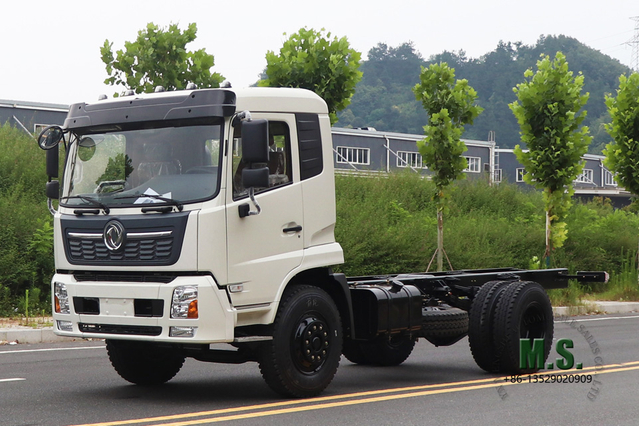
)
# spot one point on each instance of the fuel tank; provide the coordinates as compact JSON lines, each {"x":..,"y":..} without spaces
{"x":385,"y":309}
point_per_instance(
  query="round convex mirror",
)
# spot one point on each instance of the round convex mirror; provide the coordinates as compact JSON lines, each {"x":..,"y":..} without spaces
{"x":50,"y":137}
{"x":86,"y":148}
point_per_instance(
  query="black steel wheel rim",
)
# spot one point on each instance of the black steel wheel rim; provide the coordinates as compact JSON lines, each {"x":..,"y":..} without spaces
{"x":533,"y":323}
{"x":311,"y":344}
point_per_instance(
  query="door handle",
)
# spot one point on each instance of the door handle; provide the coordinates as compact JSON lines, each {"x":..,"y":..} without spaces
{"x":297,"y":228}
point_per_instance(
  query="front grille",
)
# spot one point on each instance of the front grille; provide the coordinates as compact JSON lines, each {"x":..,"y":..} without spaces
{"x":137,"y":330}
{"x":147,"y":240}
{"x":130,"y":277}
{"x":134,"y":250}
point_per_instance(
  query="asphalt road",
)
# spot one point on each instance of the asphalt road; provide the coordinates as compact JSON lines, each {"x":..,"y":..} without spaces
{"x":73,"y":383}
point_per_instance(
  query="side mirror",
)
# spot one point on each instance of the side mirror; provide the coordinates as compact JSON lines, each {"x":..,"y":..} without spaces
{"x":255,"y":178}
{"x":255,"y":155}
{"x":50,"y":137}
{"x":53,"y":190}
{"x":52,"y":162}
{"x":255,"y":141}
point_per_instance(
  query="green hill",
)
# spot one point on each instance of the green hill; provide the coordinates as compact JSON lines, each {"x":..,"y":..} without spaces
{"x":384,"y":100}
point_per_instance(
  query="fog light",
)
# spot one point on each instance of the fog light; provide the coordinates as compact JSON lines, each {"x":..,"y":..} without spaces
{"x":182,"y":331}
{"x":65,"y":325}
{"x":61,"y":298}
{"x":184,"y":304}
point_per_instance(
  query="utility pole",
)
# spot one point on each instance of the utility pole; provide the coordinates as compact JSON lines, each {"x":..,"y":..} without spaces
{"x":634,"y":44}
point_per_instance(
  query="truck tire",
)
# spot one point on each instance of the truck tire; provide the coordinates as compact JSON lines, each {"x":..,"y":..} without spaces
{"x":144,"y":363}
{"x":354,"y":352}
{"x":388,"y":351}
{"x":303,"y":356}
{"x":524,"y":311}
{"x":383,"y":351}
{"x":441,"y":323}
{"x":481,"y":327}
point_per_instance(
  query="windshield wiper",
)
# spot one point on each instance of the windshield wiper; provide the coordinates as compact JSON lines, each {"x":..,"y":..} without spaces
{"x":170,"y":201}
{"x":93,"y":203}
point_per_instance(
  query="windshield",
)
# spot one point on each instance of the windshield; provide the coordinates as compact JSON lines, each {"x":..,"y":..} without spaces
{"x":148,"y":166}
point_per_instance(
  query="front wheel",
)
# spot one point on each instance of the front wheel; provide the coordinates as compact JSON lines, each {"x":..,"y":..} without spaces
{"x":303,"y":356}
{"x":144,"y":363}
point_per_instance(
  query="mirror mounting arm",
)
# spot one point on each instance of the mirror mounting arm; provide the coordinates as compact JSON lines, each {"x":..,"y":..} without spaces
{"x":245,"y":209}
{"x":52,"y":209}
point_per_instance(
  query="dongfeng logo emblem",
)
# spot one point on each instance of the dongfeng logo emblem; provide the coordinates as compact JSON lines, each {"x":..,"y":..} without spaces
{"x":114,"y":235}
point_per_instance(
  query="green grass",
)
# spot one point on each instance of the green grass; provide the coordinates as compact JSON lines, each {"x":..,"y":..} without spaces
{"x":623,"y":285}
{"x":388,"y":225}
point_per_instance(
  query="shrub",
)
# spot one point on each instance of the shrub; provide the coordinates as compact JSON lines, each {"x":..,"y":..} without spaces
{"x":26,"y":253}
{"x":387,"y":224}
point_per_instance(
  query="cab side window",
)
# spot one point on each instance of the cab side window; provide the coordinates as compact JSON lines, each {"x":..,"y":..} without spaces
{"x":279,"y":165}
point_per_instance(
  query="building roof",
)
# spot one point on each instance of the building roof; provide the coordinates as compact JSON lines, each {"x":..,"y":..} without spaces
{"x":396,"y":136}
{"x":5,"y":103}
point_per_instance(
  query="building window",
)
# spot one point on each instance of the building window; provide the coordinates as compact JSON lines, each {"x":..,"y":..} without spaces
{"x":474,"y":164}
{"x":609,"y":178}
{"x":520,"y":175}
{"x":347,"y":155}
{"x":585,"y":176}
{"x":497,"y":176}
{"x":410,"y":159}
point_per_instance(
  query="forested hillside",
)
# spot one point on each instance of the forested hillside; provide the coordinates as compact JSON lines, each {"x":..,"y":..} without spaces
{"x":383,"y":99}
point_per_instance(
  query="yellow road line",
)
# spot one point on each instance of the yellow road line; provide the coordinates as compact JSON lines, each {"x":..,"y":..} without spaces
{"x":324,"y":402}
{"x":358,"y":401}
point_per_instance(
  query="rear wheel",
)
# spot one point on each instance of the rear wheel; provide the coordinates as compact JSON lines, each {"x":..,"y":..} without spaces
{"x":523,"y":312}
{"x":481,"y":327}
{"x":144,"y":363}
{"x":303,"y":356}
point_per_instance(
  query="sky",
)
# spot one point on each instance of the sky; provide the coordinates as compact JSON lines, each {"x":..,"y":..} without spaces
{"x":50,"y":50}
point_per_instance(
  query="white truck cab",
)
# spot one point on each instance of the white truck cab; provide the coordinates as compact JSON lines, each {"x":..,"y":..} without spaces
{"x":149,"y":216}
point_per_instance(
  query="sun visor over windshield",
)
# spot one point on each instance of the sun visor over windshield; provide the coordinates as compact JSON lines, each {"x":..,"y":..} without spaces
{"x":186,"y":105}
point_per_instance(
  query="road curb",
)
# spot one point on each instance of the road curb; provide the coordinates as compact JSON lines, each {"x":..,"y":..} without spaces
{"x":25,"y":335}
{"x":598,"y":307}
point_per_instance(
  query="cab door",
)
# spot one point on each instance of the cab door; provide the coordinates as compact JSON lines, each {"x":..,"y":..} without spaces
{"x":263,"y":249}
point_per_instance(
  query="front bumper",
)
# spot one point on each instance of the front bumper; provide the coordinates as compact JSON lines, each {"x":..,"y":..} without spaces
{"x":115,"y":311}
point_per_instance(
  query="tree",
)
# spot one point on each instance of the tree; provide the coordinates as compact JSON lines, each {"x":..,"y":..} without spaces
{"x":548,"y":113}
{"x":383,"y":98}
{"x":450,"y":105}
{"x":310,"y":60}
{"x":158,"y":57}
{"x":622,"y":154}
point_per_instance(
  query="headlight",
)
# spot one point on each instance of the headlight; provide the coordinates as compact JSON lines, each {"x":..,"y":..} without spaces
{"x":61,"y":298}
{"x":184,"y":304}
